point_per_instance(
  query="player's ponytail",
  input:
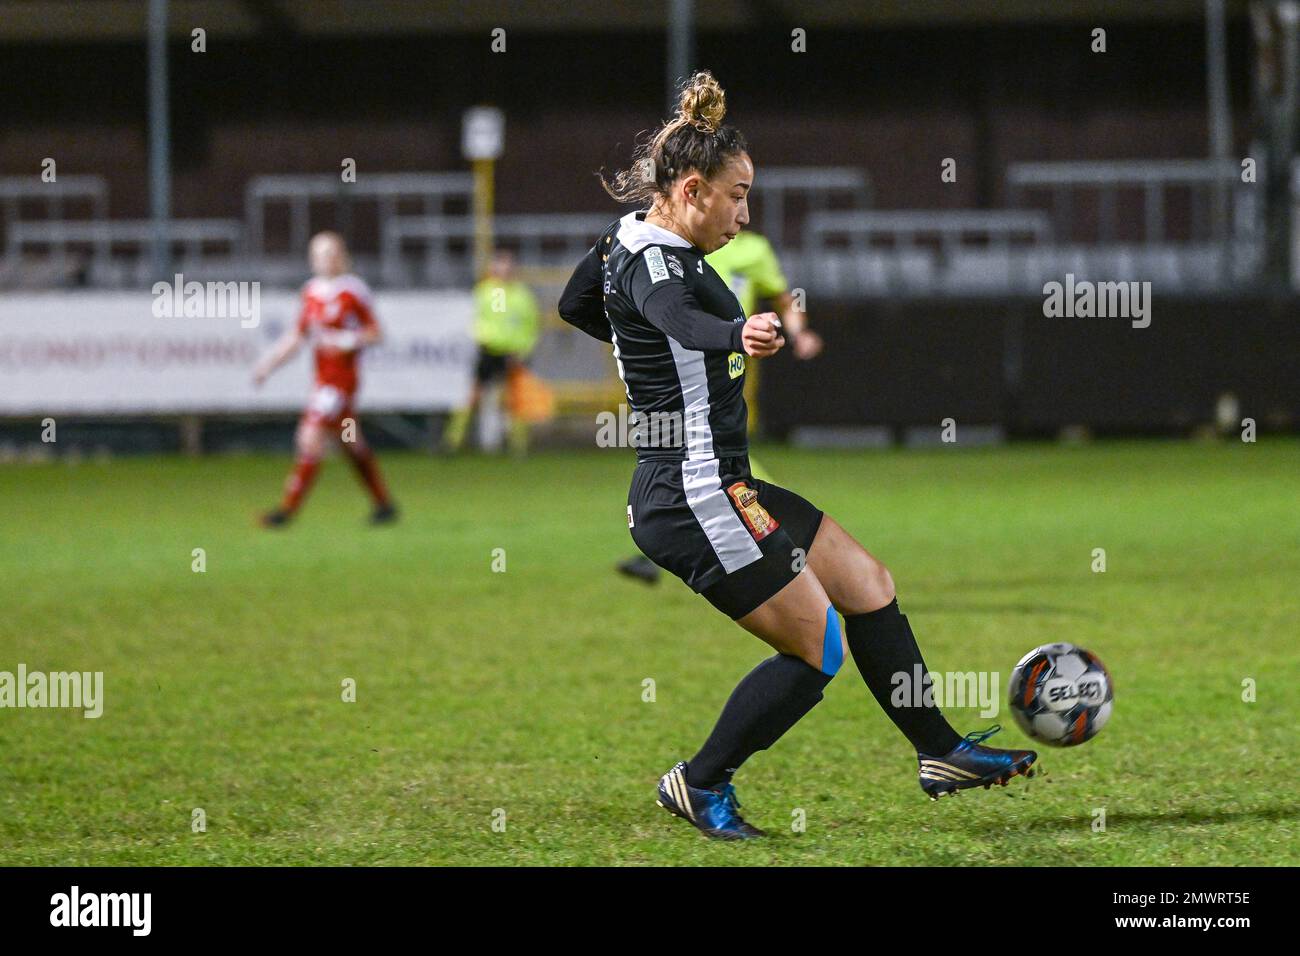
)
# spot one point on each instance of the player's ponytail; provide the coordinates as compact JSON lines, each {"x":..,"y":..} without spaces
{"x":694,"y":140}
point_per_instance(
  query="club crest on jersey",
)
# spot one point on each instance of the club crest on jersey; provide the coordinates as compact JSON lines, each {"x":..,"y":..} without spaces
{"x":755,"y":516}
{"x":654,"y":259}
{"x":675,"y":266}
{"x":735,"y":365}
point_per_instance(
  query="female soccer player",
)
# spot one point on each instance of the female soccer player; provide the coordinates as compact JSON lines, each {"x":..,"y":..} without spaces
{"x":748,"y":265}
{"x":760,"y":554}
{"x":336,"y":313}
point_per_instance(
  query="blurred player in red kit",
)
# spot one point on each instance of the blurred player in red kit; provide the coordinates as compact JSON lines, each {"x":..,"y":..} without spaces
{"x":336,"y":316}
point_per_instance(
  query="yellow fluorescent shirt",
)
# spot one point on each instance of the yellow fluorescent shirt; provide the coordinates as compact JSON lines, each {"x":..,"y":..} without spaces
{"x":748,"y":265}
{"x":506,"y":320}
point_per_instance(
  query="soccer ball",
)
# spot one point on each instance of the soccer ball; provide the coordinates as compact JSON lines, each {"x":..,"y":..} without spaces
{"x":1061,"y":694}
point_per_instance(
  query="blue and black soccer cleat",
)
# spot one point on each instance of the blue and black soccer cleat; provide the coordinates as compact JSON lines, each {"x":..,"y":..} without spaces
{"x":712,"y":812}
{"x":970,"y":765}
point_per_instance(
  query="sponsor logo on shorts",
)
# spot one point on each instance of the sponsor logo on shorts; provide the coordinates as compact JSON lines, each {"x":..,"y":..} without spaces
{"x":755,"y":516}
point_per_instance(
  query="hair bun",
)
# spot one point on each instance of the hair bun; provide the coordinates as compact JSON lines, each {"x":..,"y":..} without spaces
{"x":703,"y":104}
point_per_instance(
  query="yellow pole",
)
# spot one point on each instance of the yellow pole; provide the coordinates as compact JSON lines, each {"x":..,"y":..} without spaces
{"x":483,"y":196}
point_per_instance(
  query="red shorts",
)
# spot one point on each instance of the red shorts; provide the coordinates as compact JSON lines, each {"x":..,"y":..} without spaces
{"x":328,"y":405}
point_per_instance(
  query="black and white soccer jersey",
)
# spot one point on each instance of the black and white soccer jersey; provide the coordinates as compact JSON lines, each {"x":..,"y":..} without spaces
{"x":693,"y":506}
{"x":675,"y":327}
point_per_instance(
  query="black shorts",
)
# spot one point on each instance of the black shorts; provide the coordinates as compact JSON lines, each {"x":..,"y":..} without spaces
{"x":491,"y":367}
{"x":732,"y":537}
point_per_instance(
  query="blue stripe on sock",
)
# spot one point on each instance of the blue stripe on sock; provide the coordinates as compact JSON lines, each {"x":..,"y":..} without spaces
{"x":832,"y":645}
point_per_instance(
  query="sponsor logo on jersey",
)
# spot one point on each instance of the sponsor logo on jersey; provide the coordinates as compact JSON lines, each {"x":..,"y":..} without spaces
{"x":654,"y":258}
{"x":755,"y":516}
{"x":735,"y":365}
{"x":675,"y":266}
{"x":699,"y":266}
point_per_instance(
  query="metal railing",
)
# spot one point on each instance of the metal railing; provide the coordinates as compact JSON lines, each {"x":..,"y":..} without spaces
{"x":906,"y":227}
{"x":1213,"y":180}
{"x":426,"y":235}
{"x":92,"y":244}
{"x":868,"y":251}
{"x":815,"y":186}
{"x":1224,"y":231}
{"x":387,"y":190}
{"x":16,"y":190}
{"x":545,"y":239}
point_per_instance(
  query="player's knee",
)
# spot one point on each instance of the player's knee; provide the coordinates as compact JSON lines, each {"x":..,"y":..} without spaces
{"x":882,"y":585}
{"x":309,"y":442}
{"x":872,"y":587}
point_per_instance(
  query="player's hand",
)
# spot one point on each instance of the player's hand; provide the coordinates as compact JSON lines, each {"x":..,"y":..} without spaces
{"x":340,"y":340}
{"x":259,"y":376}
{"x":761,"y":335}
{"x":807,"y":344}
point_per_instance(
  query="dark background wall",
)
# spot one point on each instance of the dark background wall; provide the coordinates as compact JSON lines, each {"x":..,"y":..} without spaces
{"x":1003,"y":362}
{"x":891,"y":100}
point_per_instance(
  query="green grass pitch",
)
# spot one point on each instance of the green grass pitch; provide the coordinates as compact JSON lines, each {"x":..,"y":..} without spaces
{"x":480,"y":693}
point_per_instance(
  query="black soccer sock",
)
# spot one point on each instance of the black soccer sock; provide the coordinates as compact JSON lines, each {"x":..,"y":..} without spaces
{"x":765,"y":704}
{"x":882,"y":645}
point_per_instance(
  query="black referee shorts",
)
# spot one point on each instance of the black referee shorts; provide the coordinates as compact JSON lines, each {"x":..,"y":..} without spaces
{"x":490,"y":367}
{"x":732,"y":537}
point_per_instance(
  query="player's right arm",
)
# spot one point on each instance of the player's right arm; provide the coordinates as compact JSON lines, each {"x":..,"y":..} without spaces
{"x":283,"y":350}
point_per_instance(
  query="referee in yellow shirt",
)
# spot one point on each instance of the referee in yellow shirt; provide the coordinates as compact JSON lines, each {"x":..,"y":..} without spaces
{"x":506,"y":327}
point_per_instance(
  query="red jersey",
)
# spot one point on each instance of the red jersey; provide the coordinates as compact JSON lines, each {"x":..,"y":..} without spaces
{"x":338,"y":305}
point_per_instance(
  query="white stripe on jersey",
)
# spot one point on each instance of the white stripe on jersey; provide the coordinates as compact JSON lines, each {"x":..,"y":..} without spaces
{"x":731,"y":542}
{"x":618,"y":361}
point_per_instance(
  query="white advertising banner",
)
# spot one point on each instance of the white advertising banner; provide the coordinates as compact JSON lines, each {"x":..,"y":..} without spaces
{"x":111,"y":353}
